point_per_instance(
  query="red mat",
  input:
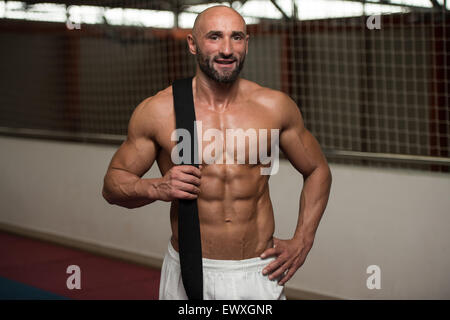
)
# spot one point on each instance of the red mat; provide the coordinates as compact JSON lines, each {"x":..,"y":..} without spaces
{"x":43,"y":265}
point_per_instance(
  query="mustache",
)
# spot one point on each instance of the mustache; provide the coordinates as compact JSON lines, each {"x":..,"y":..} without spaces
{"x":230,"y":57}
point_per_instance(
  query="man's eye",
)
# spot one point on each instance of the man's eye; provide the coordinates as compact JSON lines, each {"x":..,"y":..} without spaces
{"x":237,"y":38}
{"x":214,"y":37}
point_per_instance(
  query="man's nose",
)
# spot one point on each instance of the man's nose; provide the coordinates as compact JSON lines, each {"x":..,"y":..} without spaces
{"x":226,"y":48}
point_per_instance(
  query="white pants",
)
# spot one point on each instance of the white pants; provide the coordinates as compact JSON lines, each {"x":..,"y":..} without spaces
{"x":222,"y":279}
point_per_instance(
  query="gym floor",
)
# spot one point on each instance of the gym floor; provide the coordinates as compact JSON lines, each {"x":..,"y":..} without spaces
{"x":34,"y":269}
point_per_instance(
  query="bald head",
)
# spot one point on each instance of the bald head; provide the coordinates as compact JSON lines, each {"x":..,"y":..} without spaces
{"x":206,"y":18}
{"x":219,"y":40}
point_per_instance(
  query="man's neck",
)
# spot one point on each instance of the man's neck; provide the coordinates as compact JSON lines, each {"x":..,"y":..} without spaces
{"x":216,"y":95}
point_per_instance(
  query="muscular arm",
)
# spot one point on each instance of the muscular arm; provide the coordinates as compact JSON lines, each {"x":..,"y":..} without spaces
{"x":304,"y":153}
{"x":122,"y":183}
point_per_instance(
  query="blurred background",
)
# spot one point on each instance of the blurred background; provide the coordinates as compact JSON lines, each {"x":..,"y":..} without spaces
{"x":371,"y":79}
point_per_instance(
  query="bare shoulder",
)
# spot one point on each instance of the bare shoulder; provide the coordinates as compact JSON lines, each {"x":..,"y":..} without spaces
{"x":277,"y":103}
{"x":148,"y":115}
{"x":157,"y":105}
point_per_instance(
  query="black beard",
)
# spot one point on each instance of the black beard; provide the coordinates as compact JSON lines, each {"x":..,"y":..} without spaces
{"x":207,"y":67}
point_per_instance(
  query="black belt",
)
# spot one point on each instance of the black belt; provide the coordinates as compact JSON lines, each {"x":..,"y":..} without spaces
{"x":189,"y":240}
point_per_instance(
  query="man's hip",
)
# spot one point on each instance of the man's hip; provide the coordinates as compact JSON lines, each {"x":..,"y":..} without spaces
{"x":222,"y":279}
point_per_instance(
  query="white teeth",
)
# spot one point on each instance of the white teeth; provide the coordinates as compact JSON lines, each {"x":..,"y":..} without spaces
{"x":225,"y":62}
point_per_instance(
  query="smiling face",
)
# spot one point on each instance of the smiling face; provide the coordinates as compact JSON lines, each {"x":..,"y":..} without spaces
{"x":220,"y":43}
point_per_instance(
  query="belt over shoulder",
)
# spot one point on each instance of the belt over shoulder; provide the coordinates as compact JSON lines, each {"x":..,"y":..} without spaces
{"x":189,"y":239}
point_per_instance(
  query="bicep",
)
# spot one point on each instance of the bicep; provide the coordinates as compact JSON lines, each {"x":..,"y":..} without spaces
{"x":298,"y":144}
{"x":139,"y":151}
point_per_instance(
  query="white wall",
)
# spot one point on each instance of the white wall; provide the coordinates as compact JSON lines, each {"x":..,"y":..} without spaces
{"x":397,"y":220}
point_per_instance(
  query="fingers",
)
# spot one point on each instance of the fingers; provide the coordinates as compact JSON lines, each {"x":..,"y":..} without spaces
{"x":184,"y":195}
{"x":288,"y":275}
{"x":184,"y":182}
{"x":187,"y":174}
{"x":288,"y":260}
{"x":274,"y":265}
{"x":269,"y":252}
{"x":186,"y":187}
{"x":190,"y":170}
{"x":187,"y":178}
{"x":279,"y":271}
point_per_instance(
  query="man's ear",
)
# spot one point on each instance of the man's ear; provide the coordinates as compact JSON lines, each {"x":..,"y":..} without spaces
{"x":246,"y":43}
{"x":191,"y":44}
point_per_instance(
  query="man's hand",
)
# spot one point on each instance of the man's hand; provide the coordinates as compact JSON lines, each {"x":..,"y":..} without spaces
{"x":180,"y":182}
{"x":291,"y":255}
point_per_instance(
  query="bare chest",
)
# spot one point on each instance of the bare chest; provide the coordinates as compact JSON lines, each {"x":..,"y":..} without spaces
{"x":242,"y":134}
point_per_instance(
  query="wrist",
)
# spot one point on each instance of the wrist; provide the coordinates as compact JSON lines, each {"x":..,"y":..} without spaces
{"x":304,"y":239}
{"x":148,"y":188}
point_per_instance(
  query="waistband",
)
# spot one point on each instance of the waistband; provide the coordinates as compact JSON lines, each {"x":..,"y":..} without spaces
{"x":252,"y":264}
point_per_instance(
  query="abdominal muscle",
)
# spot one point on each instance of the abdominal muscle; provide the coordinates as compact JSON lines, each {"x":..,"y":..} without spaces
{"x":235,"y":212}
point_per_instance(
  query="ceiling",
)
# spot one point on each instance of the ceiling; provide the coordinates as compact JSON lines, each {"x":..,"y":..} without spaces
{"x":137,"y":4}
{"x":177,"y":5}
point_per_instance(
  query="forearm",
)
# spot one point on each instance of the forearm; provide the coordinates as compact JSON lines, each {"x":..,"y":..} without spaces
{"x":313,"y":201}
{"x":128,"y":190}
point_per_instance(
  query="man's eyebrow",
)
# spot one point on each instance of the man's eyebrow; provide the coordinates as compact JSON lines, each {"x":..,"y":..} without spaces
{"x":238,"y":33}
{"x":214,"y":32}
{"x":219,"y":33}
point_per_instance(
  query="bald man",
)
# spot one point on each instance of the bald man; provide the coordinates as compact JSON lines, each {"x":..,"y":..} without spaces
{"x":241,"y":257}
